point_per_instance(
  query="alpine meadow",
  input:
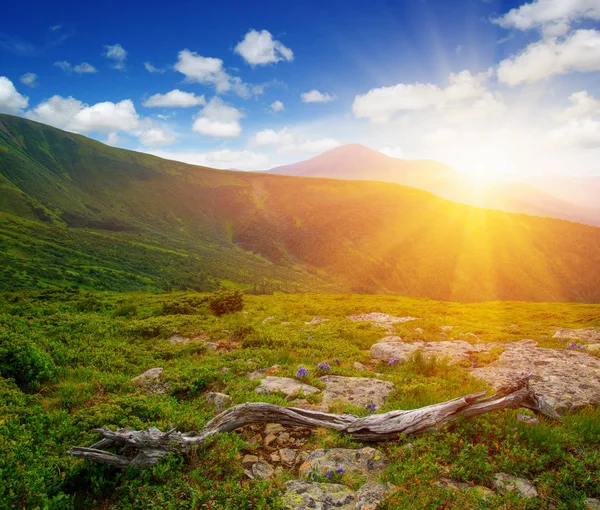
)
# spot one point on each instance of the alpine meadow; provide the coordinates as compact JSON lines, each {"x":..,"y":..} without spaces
{"x":327,"y":256}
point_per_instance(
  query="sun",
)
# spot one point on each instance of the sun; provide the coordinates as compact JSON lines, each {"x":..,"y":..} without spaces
{"x":487,"y":165}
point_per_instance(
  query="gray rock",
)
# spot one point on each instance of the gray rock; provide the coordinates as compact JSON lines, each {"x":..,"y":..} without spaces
{"x":513,"y":483}
{"x":286,"y":385}
{"x":178,"y":339}
{"x":381,"y":319}
{"x":371,"y":494}
{"x":287,"y":456}
{"x":591,"y":504}
{"x":301,"y":495}
{"x":355,"y":390}
{"x":447,"y":483}
{"x":249,"y":460}
{"x":211,"y":346}
{"x":262,"y":470}
{"x":367,"y":461}
{"x":315,"y":320}
{"x":585,"y":334}
{"x":219,"y":400}
{"x":274,"y":428}
{"x":359,"y":366}
{"x":151,"y":381}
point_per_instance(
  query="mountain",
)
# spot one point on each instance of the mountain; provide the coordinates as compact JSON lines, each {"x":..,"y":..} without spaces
{"x":361,"y":163}
{"x":75,"y":212}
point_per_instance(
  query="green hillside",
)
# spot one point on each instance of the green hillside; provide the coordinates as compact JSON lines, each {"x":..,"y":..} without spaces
{"x":74,"y":211}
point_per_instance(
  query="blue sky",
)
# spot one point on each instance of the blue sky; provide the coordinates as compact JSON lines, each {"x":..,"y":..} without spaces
{"x":494,"y":88}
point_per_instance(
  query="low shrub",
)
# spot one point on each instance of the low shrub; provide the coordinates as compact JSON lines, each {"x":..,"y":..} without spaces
{"x":226,"y":301}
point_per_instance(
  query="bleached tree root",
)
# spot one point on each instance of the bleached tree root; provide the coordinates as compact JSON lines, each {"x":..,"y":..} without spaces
{"x":141,"y":448}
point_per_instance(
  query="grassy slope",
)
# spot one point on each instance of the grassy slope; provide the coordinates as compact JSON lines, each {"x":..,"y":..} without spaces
{"x":95,"y":351}
{"x":309,"y":234}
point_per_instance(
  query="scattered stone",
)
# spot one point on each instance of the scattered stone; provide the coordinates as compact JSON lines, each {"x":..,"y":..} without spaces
{"x":360,"y":366}
{"x":211,"y":346}
{"x":301,"y":495}
{"x":263,"y":372}
{"x":591,"y":504}
{"x":275,"y":458}
{"x":262,"y":470}
{"x":249,"y":460}
{"x":593,"y":348}
{"x":446,"y":328}
{"x":315,"y":320}
{"x":585,"y":334}
{"x":420,"y":331}
{"x":285,"y":385}
{"x":178,"y":339}
{"x":223,"y":370}
{"x":371,"y":494}
{"x":381,"y":319}
{"x":447,"y":483}
{"x":287,"y":456}
{"x":366,"y":461}
{"x":219,"y":400}
{"x":283,"y":438}
{"x":391,"y":339}
{"x":513,"y":483}
{"x":355,"y":390}
{"x":269,"y":439}
{"x":151,"y":381}
{"x":455,"y":351}
{"x":274,"y":428}
{"x":268,"y":319}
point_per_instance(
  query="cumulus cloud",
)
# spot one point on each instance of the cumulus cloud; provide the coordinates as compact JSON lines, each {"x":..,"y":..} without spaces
{"x":578,"y":52}
{"x":393,"y":152}
{"x":156,"y":137}
{"x":581,"y":122}
{"x":57,"y":111}
{"x":277,"y":106}
{"x":466,"y":94}
{"x":83,"y":68}
{"x":259,"y":48}
{"x":552,"y":17}
{"x":175,"y":99}
{"x":219,"y":120}
{"x":280,"y":138}
{"x":314,"y":96}
{"x":29,"y":79}
{"x":151,"y":69}
{"x":285,"y":141}
{"x":210,"y":71}
{"x":223,"y":159}
{"x":117,"y":54}
{"x":10,"y":100}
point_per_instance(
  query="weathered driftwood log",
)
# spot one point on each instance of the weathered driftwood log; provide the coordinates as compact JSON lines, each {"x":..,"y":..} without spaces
{"x":149,"y":446}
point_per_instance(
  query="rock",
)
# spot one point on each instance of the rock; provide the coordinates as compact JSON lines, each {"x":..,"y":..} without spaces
{"x":301,"y":495}
{"x":283,"y":438}
{"x":513,"y":483}
{"x":566,"y":378}
{"x":585,"y":334}
{"x":287,"y":456}
{"x":223,"y":370}
{"x":315,"y":320}
{"x":591,"y":504}
{"x":274,"y":428}
{"x":249,"y":460}
{"x":275,"y":457}
{"x":367,"y":461}
{"x":371,"y":494}
{"x":211,"y":346}
{"x":269,"y":439}
{"x":267,"y":319}
{"x":355,"y":390}
{"x":262,"y":470}
{"x":219,"y":400}
{"x":151,"y":381}
{"x":593,"y":348}
{"x":360,"y":366}
{"x":446,"y":328}
{"x":178,"y":339}
{"x":482,"y":491}
{"x":286,"y":385}
{"x":391,"y":339}
{"x":381,"y":319}
{"x":263,"y":372}
{"x":455,"y":351}
{"x":419,"y":331}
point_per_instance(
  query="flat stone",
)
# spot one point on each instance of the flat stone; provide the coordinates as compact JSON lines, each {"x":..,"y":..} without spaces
{"x":274,"y":428}
{"x":249,"y":460}
{"x":513,"y":483}
{"x":565,"y":377}
{"x":211,"y":346}
{"x":585,"y":334}
{"x":381,"y":319}
{"x":288,"y":456}
{"x":366,"y":461}
{"x":219,"y":400}
{"x":151,"y":381}
{"x":301,"y":495}
{"x":178,"y":339}
{"x":591,"y":504}
{"x":286,"y":385}
{"x":447,"y":483}
{"x":269,"y":439}
{"x":262,"y":470}
{"x":359,"y":366}
{"x":355,"y":390}
{"x":371,"y":494}
{"x":263,"y":372}
{"x":315,"y":321}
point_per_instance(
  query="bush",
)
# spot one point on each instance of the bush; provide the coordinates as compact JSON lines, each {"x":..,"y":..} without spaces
{"x":22,"y":361}
{"x":226,"y":301}
{"x":125,"y":311}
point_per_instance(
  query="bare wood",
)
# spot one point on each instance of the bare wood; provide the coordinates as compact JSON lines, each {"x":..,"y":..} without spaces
{"x":151,"y":445}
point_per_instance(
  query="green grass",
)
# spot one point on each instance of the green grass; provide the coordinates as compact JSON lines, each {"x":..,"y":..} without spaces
{"x":96,"y":342}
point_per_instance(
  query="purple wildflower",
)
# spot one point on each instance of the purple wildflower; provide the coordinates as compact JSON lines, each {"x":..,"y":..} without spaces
{"x":571,"y":345}
{"x":580,"y":347}
{"x":302,"y":372}
{"x":324,"y":366}
{"x":340,"y":470}
{"x":392,"y":362}
{"x":329,"y":473}
{"x":371,"y":408}
{"x":533,"y":420}
{"x":336,"y":361}
{"x":520,"y":417}
{"x":310,"y":337}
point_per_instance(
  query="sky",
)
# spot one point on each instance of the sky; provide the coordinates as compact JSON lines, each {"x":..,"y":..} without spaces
{"x":499,"y":89}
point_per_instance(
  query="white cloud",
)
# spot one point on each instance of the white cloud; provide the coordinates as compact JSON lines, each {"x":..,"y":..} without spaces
{"x":112,"y":139}
{"x":285,"y":141}
{"x":10,"y":100}
{"x":578,"y":52}
{"x":553,"y":17}
{"x":583,"y":133}
{"x":223,"y":159}
{"x":106,"y":117}
{"x":582,"y":105}
{"x":314,"y":96}
{"x":57,"y":111}
{"x":151,"y":69}
{"x":83,"y":68}
{"x":259,"y":48}
{"x":277,"y":106}
{"x":117,"y":54}
{"x":175,"y":99}
{"x":208,"y":71}
{"x":441,"y":136}
{"x":393,"y":152}
{"x":219,"y":120}
{"x":29,"y":79}
{"x":466,"y":92}
{"x":271,"y":137}
{"x":320,"y":145}
{"x":157,"y":137}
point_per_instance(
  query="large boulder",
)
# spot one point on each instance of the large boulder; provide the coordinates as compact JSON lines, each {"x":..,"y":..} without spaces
{"x":381,"y":319}
{"x":151,"y":381}
{"x":371,"y":494}
{"x":512,"y":483}
{"x":355,"y":390}
{"x":367,"y":462}
{"x":285,"y":385}
{"x":301,"y":495}
{"x":583,"y":335}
